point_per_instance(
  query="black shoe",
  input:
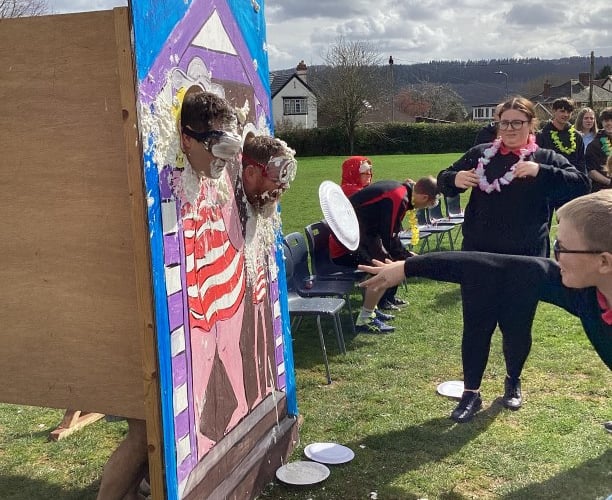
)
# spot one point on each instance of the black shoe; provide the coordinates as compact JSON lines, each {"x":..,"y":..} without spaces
{"x":386,"y":305}
{"x":608,"y":426}
{"x":513,"y":397}
{"x":470,"y":403}
{"x":396,"y":301}
{"x":383,"y":316}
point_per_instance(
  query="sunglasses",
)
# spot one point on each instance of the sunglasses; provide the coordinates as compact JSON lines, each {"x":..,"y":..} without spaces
{"x":558,"y":250}
{"x":203,"y":137}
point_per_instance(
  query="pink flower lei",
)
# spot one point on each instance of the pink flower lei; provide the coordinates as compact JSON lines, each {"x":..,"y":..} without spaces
{"x":508,"y":177}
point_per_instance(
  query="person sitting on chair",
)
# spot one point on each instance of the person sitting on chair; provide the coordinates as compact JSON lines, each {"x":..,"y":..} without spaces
{"x":380,"y":210}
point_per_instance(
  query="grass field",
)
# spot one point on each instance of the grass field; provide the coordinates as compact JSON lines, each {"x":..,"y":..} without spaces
{"x":383,"y":403}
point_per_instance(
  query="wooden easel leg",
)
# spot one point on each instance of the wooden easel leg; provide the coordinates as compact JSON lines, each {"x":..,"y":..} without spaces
{"x":73,"y":421}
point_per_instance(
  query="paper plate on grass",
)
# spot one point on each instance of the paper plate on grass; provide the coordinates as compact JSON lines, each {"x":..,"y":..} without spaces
{"x":329,"y":453}
{"x":451,"y":389}
{"x":339,"y":214}
{"x":302,"y":473}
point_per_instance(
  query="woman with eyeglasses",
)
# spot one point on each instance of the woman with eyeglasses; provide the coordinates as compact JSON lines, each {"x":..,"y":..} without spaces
{"x":579,"y":282}
{"x":512,"y":183}
{"x":599,"y":154}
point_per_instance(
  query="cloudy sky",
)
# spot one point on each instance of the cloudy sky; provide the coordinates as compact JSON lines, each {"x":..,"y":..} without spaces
{"x":424,"y":30}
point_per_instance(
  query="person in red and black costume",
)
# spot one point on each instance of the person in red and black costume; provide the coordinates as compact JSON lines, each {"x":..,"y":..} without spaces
{"x":380,"y":210}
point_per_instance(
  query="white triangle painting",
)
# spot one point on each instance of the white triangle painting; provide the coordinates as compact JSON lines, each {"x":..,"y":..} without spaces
{"x":213,"y":36}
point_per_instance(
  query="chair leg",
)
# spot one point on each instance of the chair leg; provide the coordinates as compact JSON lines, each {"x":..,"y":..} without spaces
{"x":339,"y":334}
{"x":347,"y":298}
{"x":322,"y":340}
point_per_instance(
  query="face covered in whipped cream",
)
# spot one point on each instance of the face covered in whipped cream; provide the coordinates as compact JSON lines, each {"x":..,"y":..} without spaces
{"x":210,"y":151}
{"x":208,"y":127}
{"x":265,"y":182}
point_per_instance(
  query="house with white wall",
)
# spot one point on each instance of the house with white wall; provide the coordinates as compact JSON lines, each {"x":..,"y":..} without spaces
{"x":294,"y":102}
{"x":484,"y":112}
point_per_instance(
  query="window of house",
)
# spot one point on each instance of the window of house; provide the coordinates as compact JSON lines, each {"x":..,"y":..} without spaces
{"x":479,"y":113}
{"x":295,"y":105}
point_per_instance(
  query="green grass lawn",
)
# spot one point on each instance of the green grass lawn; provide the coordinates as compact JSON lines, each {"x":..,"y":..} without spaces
{"x":383,"y":402}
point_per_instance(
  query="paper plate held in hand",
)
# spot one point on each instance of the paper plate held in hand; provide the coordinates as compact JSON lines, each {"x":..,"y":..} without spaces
{"x":329,"y":453}
{"x":302,"y":473}
{"x":451,"y":388}
{"x":339,"y":214}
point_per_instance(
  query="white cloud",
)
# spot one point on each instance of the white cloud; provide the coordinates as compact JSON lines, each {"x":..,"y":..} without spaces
{"x":424,"y":30}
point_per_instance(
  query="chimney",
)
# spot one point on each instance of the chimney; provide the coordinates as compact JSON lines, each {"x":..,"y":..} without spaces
{"x":547,"y":86}
{"x":302,"y":71}
{"x":584,"y":78}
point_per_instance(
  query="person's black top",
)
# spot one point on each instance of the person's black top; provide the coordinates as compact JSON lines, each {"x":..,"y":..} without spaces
{"x":522,"y":281}
{"x":514,"y":220}
{"x":576,"y":156}
{"x":488,"y":133}
{"x":596,"y":159}
{"x":380,"y":209}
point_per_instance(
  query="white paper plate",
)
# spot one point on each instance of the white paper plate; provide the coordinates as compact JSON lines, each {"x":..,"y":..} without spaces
{"x":302,"y":473}
{"x":339,"y":214}
{"x":329,"y":453}
{"x":451,"y":388}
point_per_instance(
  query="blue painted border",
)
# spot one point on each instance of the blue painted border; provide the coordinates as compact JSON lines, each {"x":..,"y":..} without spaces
{"x":162,"y":323}
{"x":291,"y":389}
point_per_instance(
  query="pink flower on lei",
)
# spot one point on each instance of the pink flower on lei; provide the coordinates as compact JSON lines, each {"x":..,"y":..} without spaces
{"x":508,"y":177}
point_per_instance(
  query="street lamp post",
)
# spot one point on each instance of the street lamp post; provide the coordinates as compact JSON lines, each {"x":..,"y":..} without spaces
{"x":506,"y":75}
{"x":392,"y":82}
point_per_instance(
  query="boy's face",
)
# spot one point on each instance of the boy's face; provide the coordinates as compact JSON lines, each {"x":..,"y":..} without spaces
{"x":259,"y":189}
{"x":561,"y":117}
{"x":579,"y":270}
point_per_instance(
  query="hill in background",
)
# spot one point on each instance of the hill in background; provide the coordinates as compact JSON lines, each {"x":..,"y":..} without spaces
{"x":476,"y":81}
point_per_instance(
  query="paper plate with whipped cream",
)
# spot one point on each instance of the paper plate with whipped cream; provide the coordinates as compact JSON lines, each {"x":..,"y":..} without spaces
{"x":339,"y":214}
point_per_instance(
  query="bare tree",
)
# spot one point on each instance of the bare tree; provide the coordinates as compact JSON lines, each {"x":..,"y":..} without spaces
{"x":23,"y":8}
{"x":432,"y":100}
{"x":352,"y":84}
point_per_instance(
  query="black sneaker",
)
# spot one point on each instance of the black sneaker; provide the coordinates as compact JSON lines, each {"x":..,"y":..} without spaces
{"x":387,"y":305}
{"x":470,"y":403}
{"x":374,"y":326}
{"x":383,"y":316}
{"x":396,"y":301}
{"x":608,"y":426}
{"x":513,"y":397}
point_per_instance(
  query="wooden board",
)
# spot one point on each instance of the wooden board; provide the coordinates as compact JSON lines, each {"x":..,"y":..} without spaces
{"x":70,"y":328}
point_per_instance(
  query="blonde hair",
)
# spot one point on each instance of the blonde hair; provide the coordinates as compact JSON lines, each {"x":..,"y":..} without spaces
{"x":579,"y":125}
{"x":591,"y":215}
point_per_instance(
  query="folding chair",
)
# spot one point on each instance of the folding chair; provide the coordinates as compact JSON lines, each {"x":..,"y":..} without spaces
{"x":299,"y":307}
{"x":436,"y":217}
{"x":317,"y":236}
{"x":439,"y":230}
{"x":406,"y":239}
{"x":453,"y":207}
{"x":307,"y":284}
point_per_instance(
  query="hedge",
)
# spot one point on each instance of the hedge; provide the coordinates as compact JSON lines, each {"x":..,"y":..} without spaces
{"x":388,"y":138}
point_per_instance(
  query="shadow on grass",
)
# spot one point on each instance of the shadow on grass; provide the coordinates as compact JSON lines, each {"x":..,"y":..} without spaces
{"x":392,"y":454}
{"x":27,"y":488}
{"x":448,"y":298}
{"x":588,"y":480}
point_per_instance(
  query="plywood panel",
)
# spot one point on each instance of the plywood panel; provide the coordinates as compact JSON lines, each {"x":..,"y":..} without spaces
{"x":69,"y":314}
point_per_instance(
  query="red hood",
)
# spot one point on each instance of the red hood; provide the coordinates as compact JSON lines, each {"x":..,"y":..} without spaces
{"x":351,"y":178}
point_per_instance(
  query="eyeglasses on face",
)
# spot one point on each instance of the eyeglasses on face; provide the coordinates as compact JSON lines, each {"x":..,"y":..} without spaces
{"x":558,"y":250}
{"x":203,"y":137}
{"x":513,"y":124}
